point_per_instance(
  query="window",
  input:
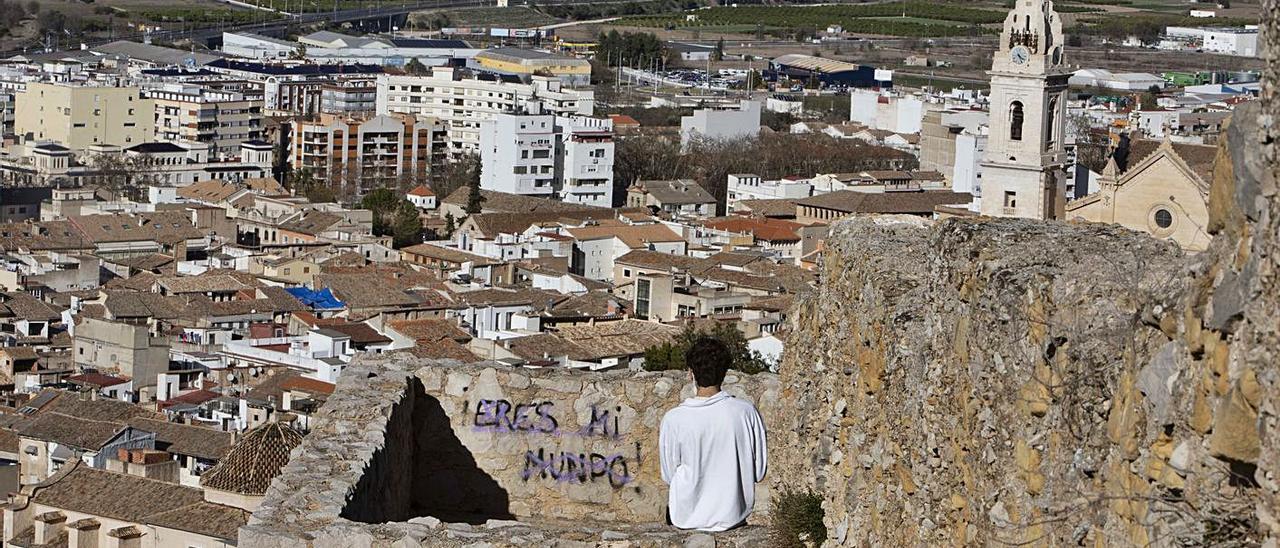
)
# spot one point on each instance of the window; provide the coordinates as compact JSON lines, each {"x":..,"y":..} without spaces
{"x":1010,"y":199}
{"x":626,"y":273}
{"x":1163,"y":218}
{"x":643,"y":291}
{"x":1015,"y":121}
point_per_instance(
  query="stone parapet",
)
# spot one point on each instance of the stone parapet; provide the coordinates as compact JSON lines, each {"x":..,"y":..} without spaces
{"x":412,"y":452}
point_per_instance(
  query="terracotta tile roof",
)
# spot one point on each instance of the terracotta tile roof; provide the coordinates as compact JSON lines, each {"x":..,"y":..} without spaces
{"x":145,"y":262}
{"x":134,"y":304}
{"x":493,"y":296}
{"x":644,"y":258}
{"x":312,"y":222}
{"x":72,"y":431}
{"x":307,"y":384}
{"x":593,"y":304}
{"x":254,"y":460}
{"x":780,"y":208}
{"x":430,"y":330}
{"x":203,"y":283}
{"x":447,"y":254}
{"x":421,"y":190}
{"x":493,"y":224}
{"x":620,"y":338}
{"x":42,"y":236}
{"x":86,"y":490}
{"x":677,"y":192}
{"x":544,"y":346}
{"x":360,"y":333}
{"x":186,"y":439}
{"x":762,"y":228}
{"x":1199,"y":158}
{"x":212,"y":191}
{"x":919,"y":203}
{"x":635,"y":237}
{"x":203,"y":518}
{"x":364,"y":290}
{"x":23,"y":305}
{"x":161,"y":226}
{"x":96,"y":379}
{"x":502,"y":202}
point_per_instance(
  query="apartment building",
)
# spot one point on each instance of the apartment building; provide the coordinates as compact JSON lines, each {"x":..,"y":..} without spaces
{"x":463,"y":102}
{"x":192,"y":112}
{"x":82,"y":115}
{"x":568,"y":158}
{"x":367,"y":153}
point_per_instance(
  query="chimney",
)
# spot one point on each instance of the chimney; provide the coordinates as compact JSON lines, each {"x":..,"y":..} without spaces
{"x":83,"y":533}
{"x":48,"y":525}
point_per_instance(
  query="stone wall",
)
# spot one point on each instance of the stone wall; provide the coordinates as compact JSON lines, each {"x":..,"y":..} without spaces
{"x":441,"y":454}
{"x":979,"y":381}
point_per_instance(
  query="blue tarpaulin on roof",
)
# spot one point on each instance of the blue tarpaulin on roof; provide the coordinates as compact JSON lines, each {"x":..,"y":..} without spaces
{"x":315,"y":298}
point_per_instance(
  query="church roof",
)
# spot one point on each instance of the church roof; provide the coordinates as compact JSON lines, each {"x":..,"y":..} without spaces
{"x":1197,"y":157}
{"x":254,"y":461}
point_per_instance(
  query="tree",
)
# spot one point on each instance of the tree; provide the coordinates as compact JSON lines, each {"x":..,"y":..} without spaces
{"x":416,"y":68}
{"x":407,"y":228}
{"x":475,"y":200}
{"x":670,"y":356}
{"x":450,"y":225}
{"x":303,"y":183}
{"x":121,"y":175}
{"x":455,"y":175}
{"x":718,"y":53}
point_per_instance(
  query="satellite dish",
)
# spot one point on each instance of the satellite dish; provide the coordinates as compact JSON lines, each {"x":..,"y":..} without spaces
{"x":189,"y":62}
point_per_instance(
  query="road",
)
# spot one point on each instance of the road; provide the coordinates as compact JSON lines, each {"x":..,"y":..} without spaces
{"x":206,"y":35}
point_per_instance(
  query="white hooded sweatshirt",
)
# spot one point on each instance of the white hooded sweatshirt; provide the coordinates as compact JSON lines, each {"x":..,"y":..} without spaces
{"x":713,"y":453}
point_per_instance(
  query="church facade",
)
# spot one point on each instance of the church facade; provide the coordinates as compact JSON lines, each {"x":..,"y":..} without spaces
{"x":1024,"y":171}
{"x":1163,"y":190}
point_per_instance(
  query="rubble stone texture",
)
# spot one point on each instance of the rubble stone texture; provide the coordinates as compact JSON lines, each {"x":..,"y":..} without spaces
{"x":410,"y":452}
{"x":988,"y":382}
{"x":970,"y":382}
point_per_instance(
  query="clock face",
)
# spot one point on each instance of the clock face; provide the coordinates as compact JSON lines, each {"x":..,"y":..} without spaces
{"x":1020,"y":55}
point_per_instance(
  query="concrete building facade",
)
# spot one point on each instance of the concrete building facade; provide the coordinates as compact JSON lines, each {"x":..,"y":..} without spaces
{"x":463,"y":103}
{"x":79,"y":116}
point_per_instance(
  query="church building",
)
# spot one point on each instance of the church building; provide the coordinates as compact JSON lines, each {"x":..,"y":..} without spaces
{"x":1157,"y":187}
{"x":1024,"y":172}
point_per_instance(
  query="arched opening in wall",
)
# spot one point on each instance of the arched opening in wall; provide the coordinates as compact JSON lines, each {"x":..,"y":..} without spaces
{"x":1051,"y":125}
{"x":1015,"y":121}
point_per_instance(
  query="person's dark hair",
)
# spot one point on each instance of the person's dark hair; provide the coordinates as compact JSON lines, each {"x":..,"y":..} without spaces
{"x":709,"y":359}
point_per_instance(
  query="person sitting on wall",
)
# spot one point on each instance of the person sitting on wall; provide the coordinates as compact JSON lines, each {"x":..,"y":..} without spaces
{"x":712,"y":448}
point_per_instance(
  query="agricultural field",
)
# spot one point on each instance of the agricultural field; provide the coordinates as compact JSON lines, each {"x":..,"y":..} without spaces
{"x":912,"y":19}
{"x":513,"y":17}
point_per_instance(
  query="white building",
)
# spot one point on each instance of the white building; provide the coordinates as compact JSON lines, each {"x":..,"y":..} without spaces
{"x":568,"y":158}
{"x":1238,"y":41}
{"x":1129,"y":81}
{"x":518,"y":154}
{"x":966,"y":175}
{"x":887,"y":111}
{"x":735,"y":123}
{"x":326,"y":47}
{"x":465,"y":102}
{"x":748,"y":186}
{"x":256,"y":46}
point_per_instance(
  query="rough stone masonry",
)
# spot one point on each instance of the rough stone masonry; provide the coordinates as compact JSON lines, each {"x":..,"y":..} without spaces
{"x":412,"y":452}
{"x":991,"y":382}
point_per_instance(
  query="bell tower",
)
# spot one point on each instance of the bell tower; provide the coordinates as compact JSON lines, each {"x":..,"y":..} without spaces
{"x":1023,"y":170}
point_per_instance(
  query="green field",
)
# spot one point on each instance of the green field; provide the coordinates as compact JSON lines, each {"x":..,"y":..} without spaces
{"x":912,"y":18}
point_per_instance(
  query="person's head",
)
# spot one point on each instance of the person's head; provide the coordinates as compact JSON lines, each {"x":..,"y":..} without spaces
{"x":708,"y":359}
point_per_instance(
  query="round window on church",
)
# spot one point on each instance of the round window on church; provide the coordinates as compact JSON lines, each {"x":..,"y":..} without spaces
{"x":1163,"y":218}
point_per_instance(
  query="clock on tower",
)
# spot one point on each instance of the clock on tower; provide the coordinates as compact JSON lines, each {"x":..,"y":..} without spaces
{"x":1023,"y":169}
